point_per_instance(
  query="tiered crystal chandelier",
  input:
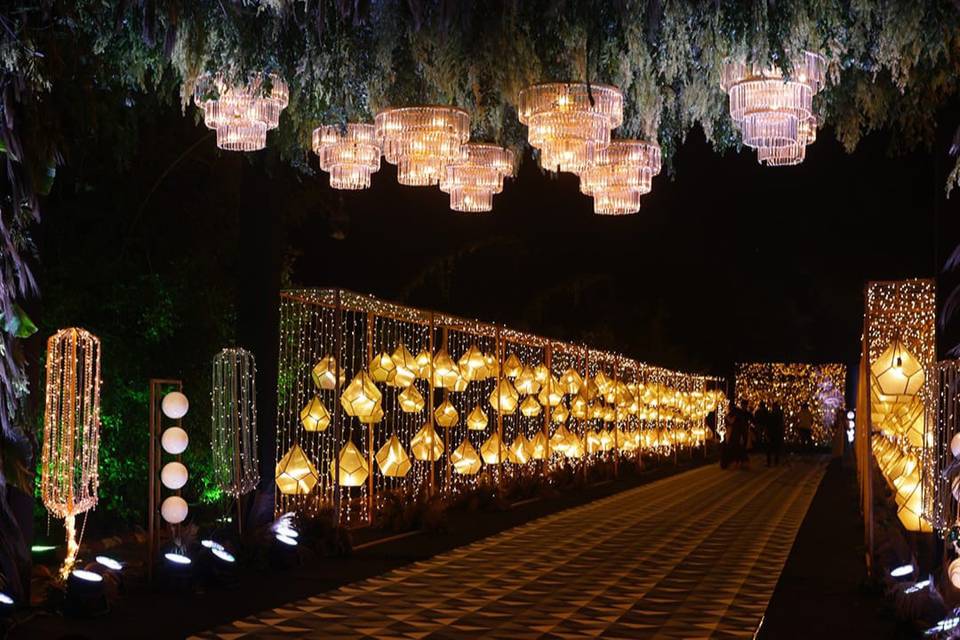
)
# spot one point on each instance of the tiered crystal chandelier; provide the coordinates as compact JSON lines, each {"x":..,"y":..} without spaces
{"x":422,"y":140}
{"x":472,"y":180}
{"x":349,"y":155}
{"x":570,"y":122}
{"x":242,"y":114}
{"x":775,"y":114}
{"x":621,"y":173}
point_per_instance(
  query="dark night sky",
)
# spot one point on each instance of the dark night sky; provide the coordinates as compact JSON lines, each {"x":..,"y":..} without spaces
{"x":727,"y":261}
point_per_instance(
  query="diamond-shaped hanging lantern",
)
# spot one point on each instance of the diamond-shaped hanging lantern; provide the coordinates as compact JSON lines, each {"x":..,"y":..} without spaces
{"x":424,"y":365}
{"x":592,"y":441}
{"x":504,"y":398}
{"x":512,"y":366}
{"x":606,"y":440}
{"x":530,"y":407}
{"x":324,"y":374}
{"x":560,"y":414}
{"x":538,"y":446}
{"x":477,"y":419}
{"x":526,"y":383}
{"x":382,"y":368}
{"x":571,"y":381}
{"x":375,"y":416}
{"x":573,"y":447}
{"x":493,"y":367}
{"x":579,"y":407}
{"x":464,"y":459}
{"x":393,"y":460}
{"x":520,"y":450}
{"x":897,"y":371}
{"x":407,"y":366}
{"x":559,"y":439}
{"x":295,"y":474}
{"x":541,"y":374}
{"x":425,"y":444}
{"x":410,"y":400}
{"x":493,"y":450}
{"x":472,"y":364}
{"x":352,"y":466}
{"x":551,"y":393}
{"x":446,"y":414}
{"x":314,"y":416}
{"x":361,"y":397}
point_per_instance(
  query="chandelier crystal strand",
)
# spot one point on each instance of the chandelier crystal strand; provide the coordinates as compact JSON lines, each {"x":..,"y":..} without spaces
{"x":349,"y":155}
{"x":773,"y":113}
{"x":242,"y":114}
{"x":570,"y":122}
{"x":473,"y":180}
{"x":621,"y":173}
{"x":422,"y":140}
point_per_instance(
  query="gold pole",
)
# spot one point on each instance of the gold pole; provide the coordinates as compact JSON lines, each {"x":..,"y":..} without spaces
{"x":371,"y":319}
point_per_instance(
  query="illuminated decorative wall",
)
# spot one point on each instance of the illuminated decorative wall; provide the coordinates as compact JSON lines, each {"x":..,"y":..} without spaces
{"x":899,"y":344}
{"x":819,"y":387}
{"x":377,"y":400}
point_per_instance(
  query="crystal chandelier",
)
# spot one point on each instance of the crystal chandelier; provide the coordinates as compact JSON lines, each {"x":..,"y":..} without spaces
{"x":242,"y":115}
{"x":349,"y":155}
{"x":570,"y":122}
{"x":472,"y":180}
{"x":775,"y":114}
{"x":421,"y":141}
{"x":620,"y":174}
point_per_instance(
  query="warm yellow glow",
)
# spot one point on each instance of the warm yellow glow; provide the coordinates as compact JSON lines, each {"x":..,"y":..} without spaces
{"x":424,"y":365}
{"x":348,"y":154}
{"x":493,"y":450}
{"x":592,"y":440}
{"x":538,"y":446}
{"x":242,"y":114}
{"x":560,"y":414}
{"x":314,"y":416}
{"x":361,"y":398}
{"x":526,"y":383}
{"x":579,"y":407}
{"x":352,"y":466}
{"x":374,"y":417}
{"x":464,"y":459}
{"x":324,"y":373}
{"x":295,"y":474}
{"x":477,"y":419}
{"x":530,"y":407}
{"x":425,"y":444}
{"x":472,"y":364}
{"x":551,"y":393}
{"x":410,"y":400}
{"x":422,"y":140}
{"x":445,"y":370}
{"x":571,"y":381}
{"x":897,"y":371}
{"x":446,"y":414}
{"x":473,"y":179}
{"x":504,"y":397}
{"x":512,"y":366}
{"x":393,"y":460}
{"x":520,"y":450}
{"x":382,"y":368}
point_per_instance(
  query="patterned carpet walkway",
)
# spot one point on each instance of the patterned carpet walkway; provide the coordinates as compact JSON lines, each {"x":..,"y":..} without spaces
{"x":691,"y":556}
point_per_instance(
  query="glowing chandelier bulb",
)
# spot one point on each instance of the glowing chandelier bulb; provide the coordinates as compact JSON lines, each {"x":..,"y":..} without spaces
{"x":422,"y":140}
{"x":349,"y":155}
{"x":621,"y":173}
{"x":473,"y":180}
{"x":241,"y":114}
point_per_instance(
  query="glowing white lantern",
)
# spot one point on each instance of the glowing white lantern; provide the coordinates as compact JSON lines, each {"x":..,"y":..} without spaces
{"x":173,"y":475}
{"x":174,"y":441}
{"x":175,"y":405}
{"x":174,"y":509}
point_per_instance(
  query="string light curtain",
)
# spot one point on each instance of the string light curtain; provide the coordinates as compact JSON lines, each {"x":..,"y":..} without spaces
{"x":473,"y":180}
{"x":794,"y":386}
{"x":569,"y":122}
{"x":241,"y":114}
{"x":464,"y":427}
{"x":422,"y":140}
{"x":774,"y":113}
{"x":350,"y":155}
{"x":71,"y":428}
{"x":233,"y":438}
{"x":619,"y":175}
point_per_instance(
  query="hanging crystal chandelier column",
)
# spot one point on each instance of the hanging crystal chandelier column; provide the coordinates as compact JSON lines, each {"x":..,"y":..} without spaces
{"x":473,"y":180}
{"x":620,"y":174}
{"x":570,"y":121}
{"x":422,"y":140}
{"x":242,"y":114}
{"x":773,"y":113}
{"x":349,"y":155}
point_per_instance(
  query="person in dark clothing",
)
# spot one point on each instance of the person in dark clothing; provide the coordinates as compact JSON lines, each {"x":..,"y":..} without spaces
{"x":735,"y":451}
{"x":774,"y":435}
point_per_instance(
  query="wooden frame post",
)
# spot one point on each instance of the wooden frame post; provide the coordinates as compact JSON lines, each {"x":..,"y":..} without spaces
{"x":154,"y":457}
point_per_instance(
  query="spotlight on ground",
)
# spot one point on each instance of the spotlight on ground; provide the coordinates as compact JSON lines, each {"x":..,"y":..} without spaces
{"x":6,"y":604}
{"x":211,"y":544}
{"x":177,"y":571}
{"x":223,"y":555}
{"x":109,"y":563}
{"x":920,"y":586}
{"x":944,"y":625}
{"x":902,"y":571}
{"x":85,"y":595}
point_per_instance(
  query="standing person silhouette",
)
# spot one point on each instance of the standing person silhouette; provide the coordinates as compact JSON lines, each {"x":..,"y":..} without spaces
{"x":774,"y":434}
{"x":805,"y":428}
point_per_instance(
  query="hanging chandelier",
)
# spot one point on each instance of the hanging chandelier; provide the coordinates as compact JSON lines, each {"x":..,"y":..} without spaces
{"x":621,"y":173}
{"x":570,"y":121}
{"x":242,"y":114}
{"x":422,"y":140}
{"x":472,"y":180}
{"x":774,"y":114}
{"x":349,"y":155}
